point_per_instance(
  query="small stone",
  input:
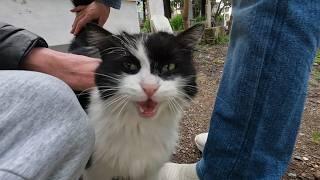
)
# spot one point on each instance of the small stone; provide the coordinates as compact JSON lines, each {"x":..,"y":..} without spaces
{"x":316,"y":166}
{"x":305,"y":158}
{"x":303,"y":174}
{"x":298,"y":158}
{"x":301,"y":134}
{"x":317,"y":175}
{"x":292,"y":175}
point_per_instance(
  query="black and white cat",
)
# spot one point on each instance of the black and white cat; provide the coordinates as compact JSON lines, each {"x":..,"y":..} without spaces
{"x":143,"y":84}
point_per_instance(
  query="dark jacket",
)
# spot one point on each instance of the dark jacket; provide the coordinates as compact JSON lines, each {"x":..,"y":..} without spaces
{"x":15,"y":44}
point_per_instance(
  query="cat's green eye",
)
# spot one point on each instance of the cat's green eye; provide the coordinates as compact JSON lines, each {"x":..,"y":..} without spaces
{"x":133,"y":67}
{"x":168,"y":67}
{"x":130,"y":66}
{"x":172,"y":67}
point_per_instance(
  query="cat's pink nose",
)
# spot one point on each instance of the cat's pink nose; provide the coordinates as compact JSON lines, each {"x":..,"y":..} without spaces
{"x":149,"y":89}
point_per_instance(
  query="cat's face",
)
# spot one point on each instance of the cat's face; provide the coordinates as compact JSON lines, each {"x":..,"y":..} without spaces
{"x":149,"y":72}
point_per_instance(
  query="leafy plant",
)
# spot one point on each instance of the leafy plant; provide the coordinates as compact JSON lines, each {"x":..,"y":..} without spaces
{"x":200,"y":19}
{"x":146,"y":26}
{"x":316,"y":137}
{"x":222,"y":39}
{"x":177,"y":23}
{"x":316,"y":74}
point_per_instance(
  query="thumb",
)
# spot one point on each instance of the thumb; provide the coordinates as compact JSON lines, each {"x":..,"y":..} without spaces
{"x":102,"y":21}
{"x":78,"y":8}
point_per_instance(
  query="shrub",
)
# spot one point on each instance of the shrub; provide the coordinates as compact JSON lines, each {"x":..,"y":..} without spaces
{"x":316,"y":137}
{"x":200,"y":19}
{"x":224,"y":39}
{"x":146,"y":26}
{"x":177,"y":23}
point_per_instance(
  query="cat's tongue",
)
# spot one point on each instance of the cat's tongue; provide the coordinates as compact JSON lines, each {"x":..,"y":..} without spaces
{"x":147,"y":108}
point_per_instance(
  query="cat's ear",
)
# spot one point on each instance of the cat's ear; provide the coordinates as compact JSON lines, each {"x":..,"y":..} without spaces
{"x":192,"y":36}
{"x":95,"y":35}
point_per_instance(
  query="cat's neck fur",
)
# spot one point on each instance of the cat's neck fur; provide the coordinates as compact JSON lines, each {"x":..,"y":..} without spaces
{"x":132,"y":144}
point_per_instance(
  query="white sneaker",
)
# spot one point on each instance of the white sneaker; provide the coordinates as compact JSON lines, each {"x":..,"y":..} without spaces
{"x":174,"y":171}
{"x":201,"y":140}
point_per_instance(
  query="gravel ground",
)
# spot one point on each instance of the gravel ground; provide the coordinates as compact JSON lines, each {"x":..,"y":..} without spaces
{"x":209,"y":61}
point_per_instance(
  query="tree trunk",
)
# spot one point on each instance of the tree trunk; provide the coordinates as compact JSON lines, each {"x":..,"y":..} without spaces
{"x":203,"y":8}
{"x":186,"y":14}
{"x":209,"y":13}
{"x":144,"y":3}
{"x":167,"y":8}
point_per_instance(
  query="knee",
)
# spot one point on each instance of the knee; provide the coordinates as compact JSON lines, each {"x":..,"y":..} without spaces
{"x":29,"y":86}
{"x":41,"y":100}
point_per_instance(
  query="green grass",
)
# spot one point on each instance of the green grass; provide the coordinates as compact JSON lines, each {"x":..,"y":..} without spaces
{"x":222,"y":39}
{"x":316,"y":137}
{"x":316,"y":74}
{"x":176,"y":23}
{"x":317,"y":60}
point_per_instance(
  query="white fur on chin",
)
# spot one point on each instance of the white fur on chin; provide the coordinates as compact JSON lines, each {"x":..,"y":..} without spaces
{"x":128,"y":145}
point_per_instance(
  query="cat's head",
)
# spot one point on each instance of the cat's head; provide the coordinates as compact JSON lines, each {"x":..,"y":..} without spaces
{"x":150,"y":72}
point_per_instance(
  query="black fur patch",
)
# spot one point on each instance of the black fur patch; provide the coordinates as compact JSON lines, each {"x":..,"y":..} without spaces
{"x":163,"y":50}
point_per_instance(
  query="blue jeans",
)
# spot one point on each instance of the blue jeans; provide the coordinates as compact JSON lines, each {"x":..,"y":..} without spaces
{"x":262,"y":92}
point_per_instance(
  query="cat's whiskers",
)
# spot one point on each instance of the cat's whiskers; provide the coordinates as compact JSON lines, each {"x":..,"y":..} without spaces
{"x":130,"y":44}
{"x":121,"y":41}
{"x":109,"y":95}
{"x":119,"y":50}
{"x":113,"y":48}
{"x":185,"y":95}
{"x":126,"y":44}
{"x":171,"y":105}
{"x":108,"y":76}
{"x":113,"y":92}
{"x":85,"y":91}
{"x":123,"y":107}
{"x":175,"y":105}
{"x":187,"y":85}
{"x":184,"y":101}
{"x":120,"y":105}
{"x":88,"y":90}
{"x":113,"y":101}
{"x":178,"y":104}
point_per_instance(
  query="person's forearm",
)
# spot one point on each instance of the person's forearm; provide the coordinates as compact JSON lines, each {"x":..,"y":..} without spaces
{"x":75,"y":70}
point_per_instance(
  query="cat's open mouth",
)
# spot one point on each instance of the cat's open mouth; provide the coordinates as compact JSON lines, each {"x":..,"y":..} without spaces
{"x":147,"y":108}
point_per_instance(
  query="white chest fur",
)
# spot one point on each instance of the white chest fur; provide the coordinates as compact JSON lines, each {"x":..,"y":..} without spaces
{"x":128,"y":145}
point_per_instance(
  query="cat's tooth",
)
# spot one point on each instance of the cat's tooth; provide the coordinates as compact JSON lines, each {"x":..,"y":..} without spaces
{"x":141,"y":109}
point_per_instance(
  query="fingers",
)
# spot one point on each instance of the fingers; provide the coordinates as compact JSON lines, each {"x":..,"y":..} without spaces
{"x":104,"y":15}
{"x":80,"y":20}
{"x":78,"y":8}
{"x":85,"y":14}
{"x":81,"y":23}
{"x":102,"y":21}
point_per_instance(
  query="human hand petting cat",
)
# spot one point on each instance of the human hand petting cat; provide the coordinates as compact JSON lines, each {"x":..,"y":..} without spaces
{"x":75,"y":70}
{"x":85,"y":14}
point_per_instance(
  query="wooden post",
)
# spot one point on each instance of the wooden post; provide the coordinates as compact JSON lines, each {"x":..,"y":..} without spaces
{"x":203,"y":8}
{"x":185,"y":14}
{"x":209,"y":13}
{"x":167,"y":8}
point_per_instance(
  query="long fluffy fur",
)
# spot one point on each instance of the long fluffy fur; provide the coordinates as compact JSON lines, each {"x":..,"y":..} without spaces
{"x":127,"y":144}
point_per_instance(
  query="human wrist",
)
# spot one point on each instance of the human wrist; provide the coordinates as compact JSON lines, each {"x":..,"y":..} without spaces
{"x":38,"y":59}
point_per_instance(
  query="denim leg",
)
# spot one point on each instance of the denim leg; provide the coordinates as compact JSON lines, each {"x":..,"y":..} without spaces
{"x":261,"y":95}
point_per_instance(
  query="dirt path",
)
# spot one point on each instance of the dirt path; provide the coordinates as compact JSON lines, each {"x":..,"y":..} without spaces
{"x":209,"y":62}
